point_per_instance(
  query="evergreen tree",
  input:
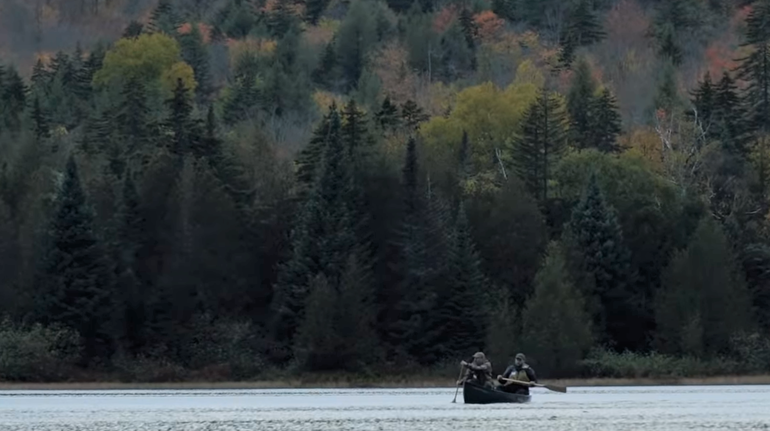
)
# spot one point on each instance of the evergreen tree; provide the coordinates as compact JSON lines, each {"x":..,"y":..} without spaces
{"x":76,"y":283}
{"x":281,"y":19}
{"x":13,"y":98}
{"x":164,"y":18}
{"x":464,"y":305}
{"x":601,"y":266}
{"x":357,"y":34}
{"x":580,"y":105}
{"x":730,"y":117}
{"x":309,"y":157}
{"x":387,"y":116}
{"x":323,"y":237}
{"x":185,"y":130}
{"x":131,"y":119}
{"x":39,"y":121}
{"x":703,"y":301}
{"x":409,"y":332}
{"x":40,"y":76}
{"x":668,"y":49}
{"x":556,"y":329}
{"x":413,"y":115}
{"x":133,"y":30}
{"x":324,"y":74}
{"x":581,"y":29}
{"x":195,"y":54}
{"x":314,"y":9}
{"x":755,"y":68}
{"x":541,"y":143}
{"x":606,"y":123}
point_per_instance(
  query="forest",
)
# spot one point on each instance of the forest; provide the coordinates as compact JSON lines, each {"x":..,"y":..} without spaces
{"x":231,"y":189}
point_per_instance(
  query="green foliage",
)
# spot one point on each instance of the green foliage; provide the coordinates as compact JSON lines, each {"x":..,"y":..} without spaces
{"x":153,"y":59}
{"x":76,"y":283}
{"x":601,"y":265}
{"x":556,"y":330}
{"x":37,"y":353}
{"x":356,"y":36}
{"x":542,"y":143}
{"x":704,"y":300}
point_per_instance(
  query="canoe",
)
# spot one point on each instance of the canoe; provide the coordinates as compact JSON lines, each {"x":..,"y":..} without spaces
{"x":475,"y":394}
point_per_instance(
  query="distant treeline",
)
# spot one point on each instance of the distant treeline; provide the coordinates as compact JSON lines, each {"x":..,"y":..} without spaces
{"x":361,"y":187}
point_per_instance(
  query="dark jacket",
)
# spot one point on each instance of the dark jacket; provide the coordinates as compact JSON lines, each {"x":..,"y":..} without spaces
{"x":514,"y":372}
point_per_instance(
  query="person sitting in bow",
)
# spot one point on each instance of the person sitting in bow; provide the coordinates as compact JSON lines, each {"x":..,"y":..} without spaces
{"x":521,"y":372}
{"x":479,"y":370}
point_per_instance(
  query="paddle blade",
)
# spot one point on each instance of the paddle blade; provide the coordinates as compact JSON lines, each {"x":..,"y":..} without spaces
{"x":556,"y":388}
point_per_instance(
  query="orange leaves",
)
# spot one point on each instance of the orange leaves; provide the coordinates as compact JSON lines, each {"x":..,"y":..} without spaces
{"x":444,"y":18}
{"x":489,"y":25}
{"x":204,"y":29}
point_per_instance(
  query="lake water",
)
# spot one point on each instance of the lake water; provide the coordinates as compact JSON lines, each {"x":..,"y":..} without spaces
{"x":618,"y":408}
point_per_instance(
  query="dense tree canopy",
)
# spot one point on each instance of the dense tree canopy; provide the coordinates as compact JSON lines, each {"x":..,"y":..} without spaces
{"x":210,"y":189}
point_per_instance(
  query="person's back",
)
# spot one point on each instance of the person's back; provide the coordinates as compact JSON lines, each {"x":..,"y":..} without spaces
{"x":518,"y":371}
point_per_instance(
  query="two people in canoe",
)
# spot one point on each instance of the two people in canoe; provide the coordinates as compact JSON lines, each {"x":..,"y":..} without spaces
{"x":479,"y":371}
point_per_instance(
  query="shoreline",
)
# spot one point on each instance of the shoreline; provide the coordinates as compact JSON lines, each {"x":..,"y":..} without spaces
{"x":384,"y":384}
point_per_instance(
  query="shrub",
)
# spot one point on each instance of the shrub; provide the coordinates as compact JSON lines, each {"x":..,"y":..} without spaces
{"x":37,"y":353}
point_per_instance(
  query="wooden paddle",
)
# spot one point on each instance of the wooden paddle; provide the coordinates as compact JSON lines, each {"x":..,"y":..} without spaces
{"x":554,"y":388}
{"x":458,"y":386}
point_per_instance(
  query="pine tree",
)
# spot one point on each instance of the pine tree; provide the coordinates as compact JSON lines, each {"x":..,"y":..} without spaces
{"x":317,"y":340}
{"x":409,"y":332}
{"x":541,"y":143}
{"x":164,"y":18}
{"x":13,"y":98}
{"x":580,"y":104}
{"x":755,"y":68}
{"x":131,"y":118}
{"x":387,"y":116}
{"x":582,"y":29}
{"x":556,"y":329}
{"x":355,"y":317}
{"x":195,"y":54}
{"x":76,"y":283}
{"x":40,"y":76}
{"x":324,"y":74}
{"x":314,"y":9}
{"x":413,"y":115}
{"x":281,"y":19}
{"x":601,"y":266}
{"x":133,"y":30}
{"x":668,"y":49}
{"x":731,"y":117}
{"x":463,"y":307}
{"x":703,"y":300}
{"x":39,"y":121}
{"x":324,"y":236}
{"x":357,"y":34}
{"x":606,"y":123}
{"x":310,"y":156}
{"x":185,"y":130}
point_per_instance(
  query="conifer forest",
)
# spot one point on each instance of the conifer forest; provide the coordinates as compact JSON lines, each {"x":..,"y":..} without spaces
{"x":235,"y":189}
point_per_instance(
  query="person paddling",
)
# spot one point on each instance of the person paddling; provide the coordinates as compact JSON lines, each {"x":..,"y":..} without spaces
{"x":518,"y":371}
{"x":479,"y":370}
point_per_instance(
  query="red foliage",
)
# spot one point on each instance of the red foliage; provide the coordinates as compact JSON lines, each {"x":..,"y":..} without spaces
{"x":204,"y":29}
{"x":489,"y":25}
{"x":444,"y":18}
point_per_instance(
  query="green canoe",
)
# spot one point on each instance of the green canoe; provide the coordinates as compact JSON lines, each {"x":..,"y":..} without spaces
{"x":475,"y":394}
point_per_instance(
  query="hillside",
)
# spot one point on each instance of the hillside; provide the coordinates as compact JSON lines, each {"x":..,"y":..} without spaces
{"x":211,"y":189}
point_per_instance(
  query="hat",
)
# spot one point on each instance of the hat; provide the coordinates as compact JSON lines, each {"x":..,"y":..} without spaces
{"x":520,"y":356}
{"x":478,"y":355}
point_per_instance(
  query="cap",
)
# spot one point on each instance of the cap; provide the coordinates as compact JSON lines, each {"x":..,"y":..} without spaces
{"x":520,"y":356}
{"x":478,"y":355}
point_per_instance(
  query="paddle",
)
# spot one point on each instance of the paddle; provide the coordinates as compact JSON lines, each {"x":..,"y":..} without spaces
{"x":458,"y":386}
{"x":554,"y":388}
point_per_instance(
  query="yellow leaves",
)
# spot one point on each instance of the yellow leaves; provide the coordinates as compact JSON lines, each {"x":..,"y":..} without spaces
{"x":239,"y":49}
{"x":179,"y":70}
{"x":644,"y":142}
{"x":324,"y":99}
{"x":148,"y":58}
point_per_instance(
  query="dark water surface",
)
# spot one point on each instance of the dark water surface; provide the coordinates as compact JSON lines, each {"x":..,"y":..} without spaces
{"x":619,"y":408}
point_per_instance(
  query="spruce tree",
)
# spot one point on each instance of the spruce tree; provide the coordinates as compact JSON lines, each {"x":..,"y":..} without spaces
{"x":325,"y":73}
{"x":606,"y":123}
{"x":309,"y":157}
{"x":164,"y":18}
{"x":581,"y":29}
{"x":132,"y":118}
{"x":703,"y":301}
{"x":76,"y":282}
{"x":387,"y":115}
{"x":39,"y":121}
{"x":13,"y":98}
{"x":323,"y":238}
{"x":413,"y":115}
{"x":580,"y":105}
{"x":601,"y":266}
{"x":541,"y":143}
{"x":314,"y":9}
{"x":556,"y":329}
{"x":464,"y":305}
{"x":185,"y":130}
{"x":195,"y":53}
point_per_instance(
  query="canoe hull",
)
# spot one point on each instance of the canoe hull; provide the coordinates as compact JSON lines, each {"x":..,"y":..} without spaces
{"x":475,"y":394}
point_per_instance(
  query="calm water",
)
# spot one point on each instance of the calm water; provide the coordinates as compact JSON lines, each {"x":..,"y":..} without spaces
{"x":647,"y":408}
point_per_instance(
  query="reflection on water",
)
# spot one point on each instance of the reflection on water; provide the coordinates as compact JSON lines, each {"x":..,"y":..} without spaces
{"x":644,"y":408}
